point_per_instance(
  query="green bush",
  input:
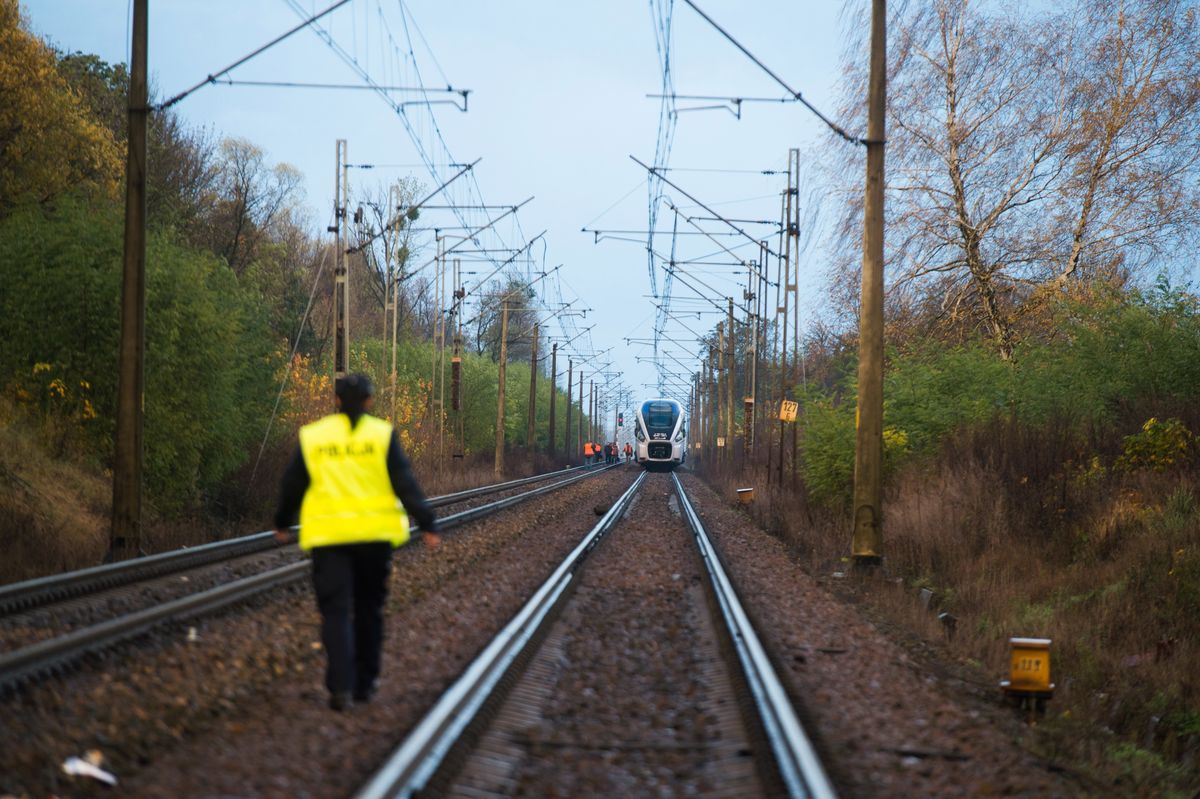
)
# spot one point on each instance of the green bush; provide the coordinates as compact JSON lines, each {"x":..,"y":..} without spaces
{"x":1111,"y":354}
{"x":1160,"y":446}
{"x":210,"y":361}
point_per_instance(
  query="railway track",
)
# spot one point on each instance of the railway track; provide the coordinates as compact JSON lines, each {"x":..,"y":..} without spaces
{"x":27,"y":663}
{"x":637,"y":673}
{"x":30,"y":594}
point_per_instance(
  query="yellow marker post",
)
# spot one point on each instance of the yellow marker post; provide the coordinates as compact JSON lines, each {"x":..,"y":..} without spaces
{"x":1028,"y":683}
{"x":788,"y":411}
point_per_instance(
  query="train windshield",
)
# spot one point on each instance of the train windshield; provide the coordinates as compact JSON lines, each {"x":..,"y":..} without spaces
{"x":660,"y":416}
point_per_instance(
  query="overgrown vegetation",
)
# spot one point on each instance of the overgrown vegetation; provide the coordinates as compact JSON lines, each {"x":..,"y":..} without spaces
{"x":231,"y":268}
{"x":1042,"y":382}
{"x":1050,"y":493}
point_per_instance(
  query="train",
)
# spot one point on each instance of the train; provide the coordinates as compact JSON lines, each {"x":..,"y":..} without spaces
{"x":660,"y":429}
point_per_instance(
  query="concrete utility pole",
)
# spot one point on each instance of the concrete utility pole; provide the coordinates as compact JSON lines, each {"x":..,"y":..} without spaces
{"x":581,"y":412}
{"x":499,"y":466}
{"x":719,"y":388}
{"x":787,"y":292}
{"x":393,"y":288}
{"x":729,"y":370}
{"x":568,"y":450}
{"x":693,"y":407}
{"x":794,"y":288}
{"x":530,"y":442}
{"x":748,"y":397}
{"x":341,"y":271}
{"x":867,"y":543}
{"x":125,"y":534}
{"x":702,"y":402}
{"x":550,"y":444}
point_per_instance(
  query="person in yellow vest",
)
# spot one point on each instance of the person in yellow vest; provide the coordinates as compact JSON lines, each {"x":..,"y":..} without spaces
{"x":344,"y":480}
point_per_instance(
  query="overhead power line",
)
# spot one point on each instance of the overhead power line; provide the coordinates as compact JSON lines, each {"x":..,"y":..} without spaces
{"x":417,"y":205}
{"x":211,"y":78}
{"x":654,"y":171}
{"x":836,"y":128}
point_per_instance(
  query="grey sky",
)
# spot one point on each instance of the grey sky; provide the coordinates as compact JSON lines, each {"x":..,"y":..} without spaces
{"x":556,"y":107}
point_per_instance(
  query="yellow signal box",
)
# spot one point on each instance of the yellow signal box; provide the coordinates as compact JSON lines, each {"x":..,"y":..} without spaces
{"x":1028,"y":682}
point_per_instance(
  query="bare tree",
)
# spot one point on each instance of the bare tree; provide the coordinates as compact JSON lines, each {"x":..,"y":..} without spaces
{"x":1132,"y":154}
{"x":382,"y":234}
{"x":1026,"y":148}
{"x":486,"y":324}
{"x":252,"y":196}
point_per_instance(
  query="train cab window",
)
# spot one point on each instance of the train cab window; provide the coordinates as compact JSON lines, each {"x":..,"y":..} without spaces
{"x":660,"y":416}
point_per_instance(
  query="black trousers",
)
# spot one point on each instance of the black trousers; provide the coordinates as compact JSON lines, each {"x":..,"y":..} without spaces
{"x":351,"y":581}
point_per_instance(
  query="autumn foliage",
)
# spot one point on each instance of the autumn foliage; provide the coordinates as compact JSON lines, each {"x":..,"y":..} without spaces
{"x":49,"y":143}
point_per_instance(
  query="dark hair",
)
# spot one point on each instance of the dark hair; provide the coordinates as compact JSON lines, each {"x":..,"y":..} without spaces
{"x":353,"y":391}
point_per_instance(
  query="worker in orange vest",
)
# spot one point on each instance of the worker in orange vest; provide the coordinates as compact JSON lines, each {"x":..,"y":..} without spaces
{"x":588,"y":450}
{"x":628,"y":452}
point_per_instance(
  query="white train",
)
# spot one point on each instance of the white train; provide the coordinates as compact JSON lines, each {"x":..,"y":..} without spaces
{"x":661,"y":433}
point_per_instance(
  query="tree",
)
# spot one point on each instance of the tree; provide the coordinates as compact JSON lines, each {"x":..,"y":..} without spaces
{"x":486,"y":324}
{"x":251,"y":197}
{"x":1133,"y":143}
{"x":104,"y":87}
{"x":49,"y":144}
{"x":383,"y":237}
{"x":210,"y":358}
{"x":1029,"y":148}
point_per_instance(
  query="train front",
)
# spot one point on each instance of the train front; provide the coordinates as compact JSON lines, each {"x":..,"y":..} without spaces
{"x":661,"y":434}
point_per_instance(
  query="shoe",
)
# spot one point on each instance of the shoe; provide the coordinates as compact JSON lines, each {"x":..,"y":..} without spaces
{"x":340,"y":700}
{"x":364,"y":695}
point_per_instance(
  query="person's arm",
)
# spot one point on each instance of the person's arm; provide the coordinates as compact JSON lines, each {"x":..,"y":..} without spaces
{"x":291,"y":493}
{"x":404,"y":483}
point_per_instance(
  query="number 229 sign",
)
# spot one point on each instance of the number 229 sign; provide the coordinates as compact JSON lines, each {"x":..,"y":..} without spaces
{"x":787,"y":411}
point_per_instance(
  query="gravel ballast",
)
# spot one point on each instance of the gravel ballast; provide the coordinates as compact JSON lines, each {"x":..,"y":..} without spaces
{"x":236,"y":706}
{"x":629,"y":694}
{"x":883,"y":725}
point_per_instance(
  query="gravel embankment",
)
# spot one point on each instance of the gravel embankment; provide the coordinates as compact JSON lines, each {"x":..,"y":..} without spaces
{"x":240,"y":710}
{"x":883,"y":722}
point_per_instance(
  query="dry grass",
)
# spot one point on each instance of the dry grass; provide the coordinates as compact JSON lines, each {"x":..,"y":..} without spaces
{"x":53,"y":512}
{"x":1016,"y":539}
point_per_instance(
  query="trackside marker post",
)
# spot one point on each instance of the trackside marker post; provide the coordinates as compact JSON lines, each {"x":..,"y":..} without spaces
{"x":1028,"y":683}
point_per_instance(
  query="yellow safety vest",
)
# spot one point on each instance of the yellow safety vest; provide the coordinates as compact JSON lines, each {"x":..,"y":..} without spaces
{"x":350,"y":498}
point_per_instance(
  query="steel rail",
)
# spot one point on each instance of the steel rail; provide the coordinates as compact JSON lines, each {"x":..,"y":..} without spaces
{"x":30,"y":594}
{"x":801,"y":769}
{"x":23,"y":664}
{"x":470,"y":493}
{"x":418,"y":757}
